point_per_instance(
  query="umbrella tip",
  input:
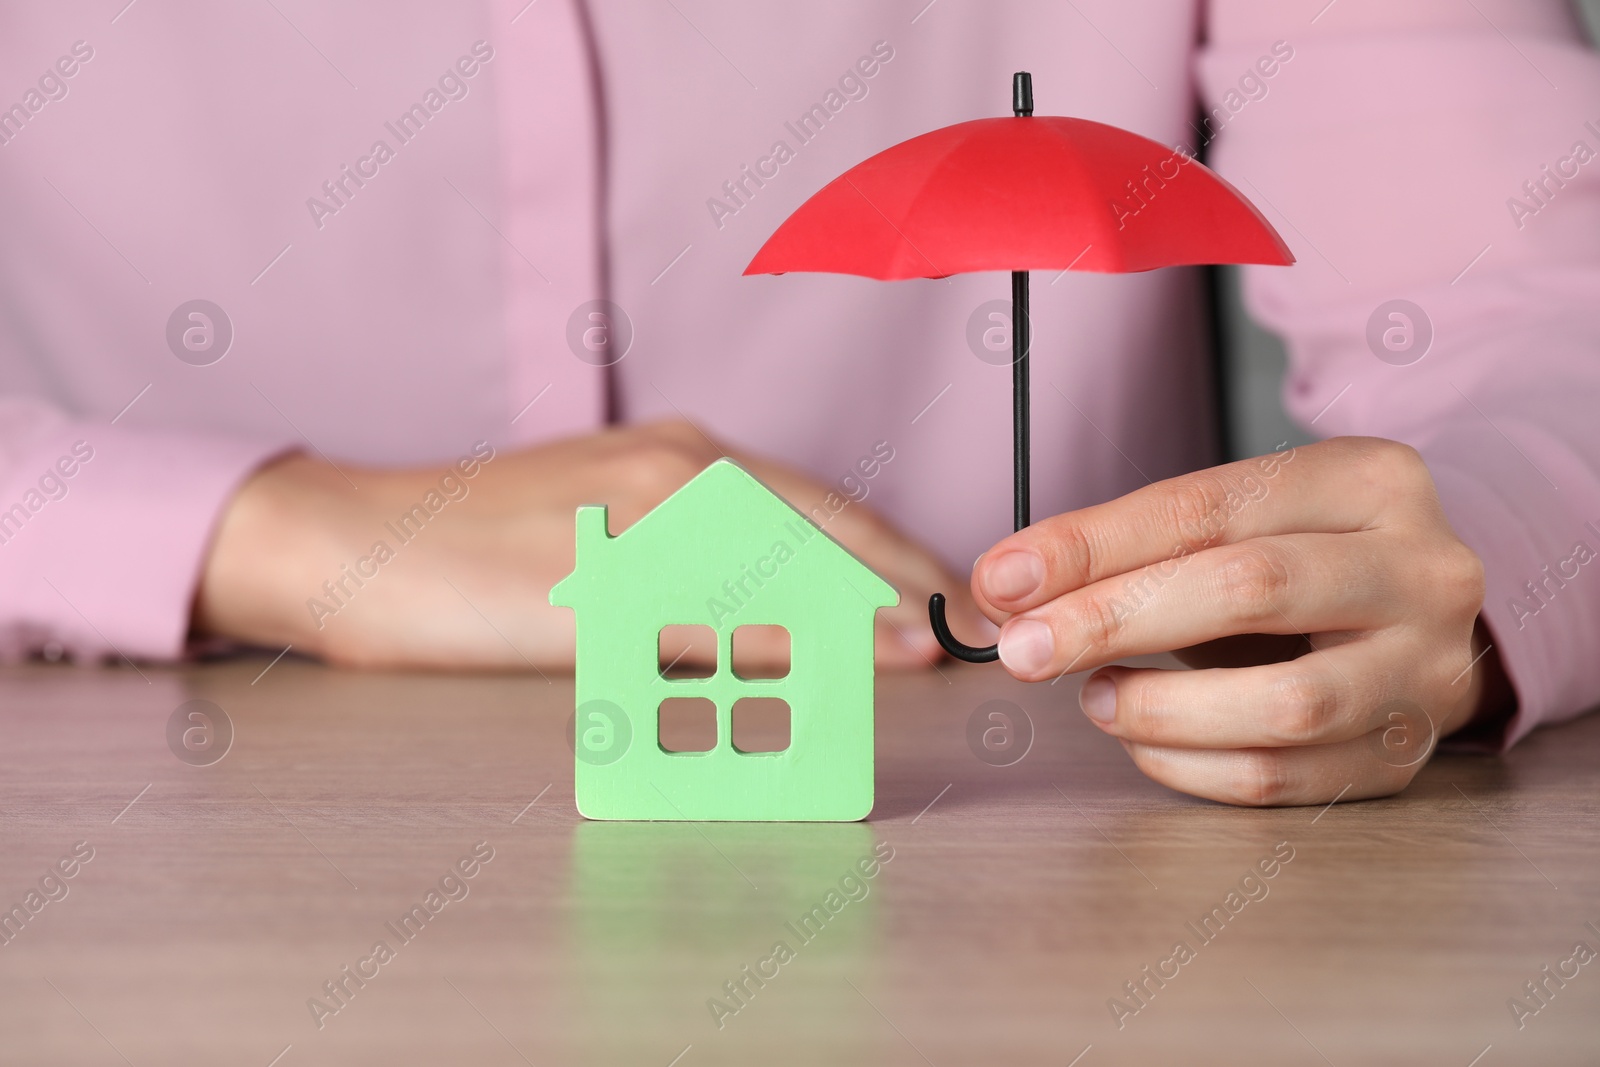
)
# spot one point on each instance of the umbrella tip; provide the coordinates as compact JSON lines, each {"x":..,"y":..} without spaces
{"x":1022,"y":94}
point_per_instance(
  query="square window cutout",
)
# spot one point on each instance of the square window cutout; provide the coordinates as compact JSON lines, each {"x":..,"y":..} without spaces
{"x":686,"y":725}
{"x":760,"y":724}
{"x":760,"y":652}
{"x":687,"y":651}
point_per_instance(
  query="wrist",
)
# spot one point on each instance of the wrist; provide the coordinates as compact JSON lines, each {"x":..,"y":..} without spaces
{"x":268,"y":554}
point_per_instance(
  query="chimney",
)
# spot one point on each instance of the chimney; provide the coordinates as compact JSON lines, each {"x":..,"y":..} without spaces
{"x":592,"y":531}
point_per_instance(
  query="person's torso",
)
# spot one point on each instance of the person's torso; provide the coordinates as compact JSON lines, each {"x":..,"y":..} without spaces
{"x":393,"y":304}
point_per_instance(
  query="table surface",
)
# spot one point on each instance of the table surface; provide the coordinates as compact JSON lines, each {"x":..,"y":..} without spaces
{"x":1017,"y":902}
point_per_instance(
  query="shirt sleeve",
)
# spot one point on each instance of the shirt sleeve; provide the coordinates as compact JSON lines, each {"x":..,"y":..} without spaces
{"x":1456,"y":171}
{"x":104,"y":530}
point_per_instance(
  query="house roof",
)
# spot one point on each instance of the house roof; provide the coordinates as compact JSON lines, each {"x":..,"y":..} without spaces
{"x":718,"y":508}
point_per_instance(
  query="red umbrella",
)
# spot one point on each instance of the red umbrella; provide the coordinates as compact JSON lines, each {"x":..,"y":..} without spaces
{"x":997,"y":194}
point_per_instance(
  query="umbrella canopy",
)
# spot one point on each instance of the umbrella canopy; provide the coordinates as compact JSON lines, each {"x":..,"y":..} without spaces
{"x":998,"y":194}
{"x":1003,"y":194}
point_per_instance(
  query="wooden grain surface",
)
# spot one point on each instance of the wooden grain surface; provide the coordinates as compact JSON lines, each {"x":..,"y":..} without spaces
{"x":1018,"y":901}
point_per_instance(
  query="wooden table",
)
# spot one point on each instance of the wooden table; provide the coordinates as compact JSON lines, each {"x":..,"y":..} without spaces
{"x":1018,"y":901}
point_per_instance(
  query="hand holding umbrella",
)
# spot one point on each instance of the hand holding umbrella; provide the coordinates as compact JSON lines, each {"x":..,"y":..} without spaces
{"x":1002,"y":194}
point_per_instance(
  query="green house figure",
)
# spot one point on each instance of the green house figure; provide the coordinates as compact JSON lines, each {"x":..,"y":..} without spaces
{"x":722,"y":552}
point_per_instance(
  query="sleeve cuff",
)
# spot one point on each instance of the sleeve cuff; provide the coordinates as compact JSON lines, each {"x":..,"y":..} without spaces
{"x":1543,"y":628}
{"x":104,"y":561}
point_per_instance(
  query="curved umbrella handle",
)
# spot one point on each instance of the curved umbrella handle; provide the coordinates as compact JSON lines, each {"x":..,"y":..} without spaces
{"x":950,"y":643}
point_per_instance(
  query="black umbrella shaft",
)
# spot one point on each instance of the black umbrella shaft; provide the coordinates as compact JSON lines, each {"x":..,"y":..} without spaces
{"x":1022,"y":105}
{"x":1019,"y":395}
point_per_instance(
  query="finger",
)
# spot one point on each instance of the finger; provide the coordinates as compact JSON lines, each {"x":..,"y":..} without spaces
{"x":858,"y":526}
{"x":909,"y":618}
{"x":764,"y":651}
{"x":904,"y":638}
{"x":1334,"y":486}
{"x":1321,"y":698}
{"x":1298,"y":583}
{"x":1275,"y":777}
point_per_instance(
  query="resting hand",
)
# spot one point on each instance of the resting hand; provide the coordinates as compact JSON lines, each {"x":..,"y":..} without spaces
{"x":470,"y":590}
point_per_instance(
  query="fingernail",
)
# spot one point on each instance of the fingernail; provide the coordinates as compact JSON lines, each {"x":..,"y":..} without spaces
{"x":1027,"y":646}
{"x":1098,"y":699}
{"x":1013,"y":575}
